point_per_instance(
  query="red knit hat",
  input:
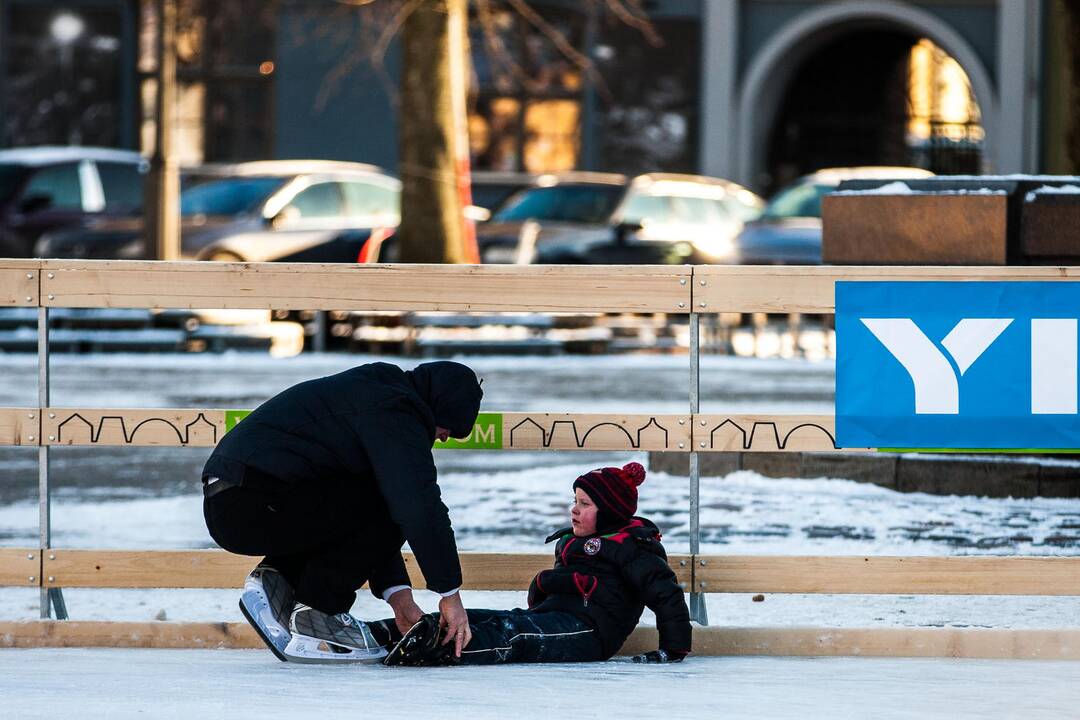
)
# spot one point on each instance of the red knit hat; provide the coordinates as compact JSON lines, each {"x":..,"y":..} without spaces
{"x":614,"y":491}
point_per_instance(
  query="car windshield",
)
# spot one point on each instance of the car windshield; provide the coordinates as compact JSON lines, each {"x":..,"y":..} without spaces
{"x":10,"y":177}
{"x":798,"y":201}
{"x":562,"y":203}
{"x":230,"y":196}
{"x":491,"y":195}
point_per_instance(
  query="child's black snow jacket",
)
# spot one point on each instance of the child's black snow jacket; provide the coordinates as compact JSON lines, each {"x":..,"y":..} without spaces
{"x":607,"y":580}
{"x":369,"y":429}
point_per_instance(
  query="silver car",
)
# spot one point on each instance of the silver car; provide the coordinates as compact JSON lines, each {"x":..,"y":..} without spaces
{"x":255,"y":211}
{"x":789,"y":231}
{"x":608,"y":218}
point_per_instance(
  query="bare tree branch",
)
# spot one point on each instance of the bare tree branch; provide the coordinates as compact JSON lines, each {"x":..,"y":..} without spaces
{"x":633,"y":14}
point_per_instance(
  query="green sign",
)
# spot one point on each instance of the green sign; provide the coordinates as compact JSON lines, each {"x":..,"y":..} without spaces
{"x":232,"y":417}
{"x":486,"y":435}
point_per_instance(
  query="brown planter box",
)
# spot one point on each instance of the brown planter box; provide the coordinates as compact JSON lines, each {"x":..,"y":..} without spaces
{"x":915,"y":229}
{"x":1050,"y":228}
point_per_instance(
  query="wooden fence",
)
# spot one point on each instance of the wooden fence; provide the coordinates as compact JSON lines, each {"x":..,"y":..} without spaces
{"x":675,"y":290}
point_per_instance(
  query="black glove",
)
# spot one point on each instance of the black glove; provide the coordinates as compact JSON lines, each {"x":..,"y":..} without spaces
{"x":660,"y":656}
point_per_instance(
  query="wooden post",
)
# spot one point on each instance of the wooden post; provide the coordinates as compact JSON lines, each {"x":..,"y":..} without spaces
{"x":163,"y":182}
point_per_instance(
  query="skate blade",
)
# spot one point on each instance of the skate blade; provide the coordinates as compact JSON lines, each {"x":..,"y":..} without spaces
{"x":256,"y":610}
{"x":304,"y":649}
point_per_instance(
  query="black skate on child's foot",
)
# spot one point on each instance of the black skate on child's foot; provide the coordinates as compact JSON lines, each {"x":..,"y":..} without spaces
{"x":321,"y":638}
{"x":420,"y":646}
{"x":267,"y":603}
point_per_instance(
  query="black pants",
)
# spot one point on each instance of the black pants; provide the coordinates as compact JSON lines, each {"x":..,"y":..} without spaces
{"x":520,"y":636}
{"x":316,"y":536}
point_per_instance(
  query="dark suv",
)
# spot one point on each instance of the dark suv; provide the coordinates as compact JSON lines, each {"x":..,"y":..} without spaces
{"x":49,"y":188}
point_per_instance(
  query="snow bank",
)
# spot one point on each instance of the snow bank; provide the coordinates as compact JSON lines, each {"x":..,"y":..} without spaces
{"x":1052,"y":190}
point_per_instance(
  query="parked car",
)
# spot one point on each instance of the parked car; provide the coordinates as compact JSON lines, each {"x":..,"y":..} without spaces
{"x":256,"y":211}
{"x":43,"y":189}
{"x":609,"y":218}
{"x":492,"y":188}
{"x":789,"y":231}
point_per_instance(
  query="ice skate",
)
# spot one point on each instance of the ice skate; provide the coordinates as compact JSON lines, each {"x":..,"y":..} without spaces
{"x":267,"y":603}
{"x":321,"y":638}
{"x":420,"y":646}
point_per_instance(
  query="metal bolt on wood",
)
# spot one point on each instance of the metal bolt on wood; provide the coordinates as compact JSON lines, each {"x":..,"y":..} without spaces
{"x":51,"y":276}
{"x":52,"y":415}
{"x":29,"y":276}
{"x":51,"y":578}
{"x":52,"y":556}
{"x":53,"y":297}
{"x":30,"y":556}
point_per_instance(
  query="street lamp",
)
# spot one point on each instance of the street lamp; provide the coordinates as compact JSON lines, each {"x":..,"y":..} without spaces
{"x":66,"y":28}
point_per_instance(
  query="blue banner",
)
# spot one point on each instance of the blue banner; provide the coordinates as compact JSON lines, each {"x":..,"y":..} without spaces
{"x":957,"y":365}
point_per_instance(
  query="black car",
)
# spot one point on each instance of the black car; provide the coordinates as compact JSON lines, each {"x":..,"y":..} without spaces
{"x":43,"y":189}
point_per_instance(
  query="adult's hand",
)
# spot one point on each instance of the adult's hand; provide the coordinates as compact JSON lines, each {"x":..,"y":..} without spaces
{"x":406,"y":612}
{"x":453,"y":618}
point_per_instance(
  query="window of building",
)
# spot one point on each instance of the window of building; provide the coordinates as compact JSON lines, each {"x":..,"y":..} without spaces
{"x":225,"y":71}
{"x":63,"y":70}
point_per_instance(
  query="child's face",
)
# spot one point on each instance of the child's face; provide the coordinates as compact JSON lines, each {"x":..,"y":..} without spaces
{"x":582,"y":514}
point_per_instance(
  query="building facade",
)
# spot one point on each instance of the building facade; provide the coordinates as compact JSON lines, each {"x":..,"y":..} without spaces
{"x":753,"y":90}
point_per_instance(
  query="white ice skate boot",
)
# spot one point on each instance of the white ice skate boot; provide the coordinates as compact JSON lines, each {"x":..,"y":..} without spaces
{"x":321,"y":638}
{"x":267,"y":603}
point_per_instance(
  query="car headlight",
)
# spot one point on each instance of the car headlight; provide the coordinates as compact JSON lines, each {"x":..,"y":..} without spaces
{"x":716,"y":247}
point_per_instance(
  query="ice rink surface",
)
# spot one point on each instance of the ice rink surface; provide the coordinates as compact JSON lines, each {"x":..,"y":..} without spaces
{"x":237,"y":684}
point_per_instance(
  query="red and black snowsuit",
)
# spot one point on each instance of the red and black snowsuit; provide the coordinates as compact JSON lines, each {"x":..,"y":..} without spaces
{"x":581,"y":610}
{"x":607,"y":580}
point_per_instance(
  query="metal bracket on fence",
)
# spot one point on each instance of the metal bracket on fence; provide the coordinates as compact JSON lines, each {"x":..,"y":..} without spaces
{"x":44,"y":497}
{"x":698,"y":611}
{"x":56,"y":598}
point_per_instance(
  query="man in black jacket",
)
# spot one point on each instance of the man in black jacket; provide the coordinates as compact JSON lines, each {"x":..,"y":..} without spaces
{"x":328,"y":479}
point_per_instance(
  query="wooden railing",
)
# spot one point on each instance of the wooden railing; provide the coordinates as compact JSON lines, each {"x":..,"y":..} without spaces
{"x":675,"y":290}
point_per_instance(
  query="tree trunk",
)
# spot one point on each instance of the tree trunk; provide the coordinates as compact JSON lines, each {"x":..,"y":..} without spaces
{"x":432,"y":222}
{"x":1072,"y":48}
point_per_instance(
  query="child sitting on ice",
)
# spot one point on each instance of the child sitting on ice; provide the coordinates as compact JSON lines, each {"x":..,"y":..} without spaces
{"x":609,"y":565}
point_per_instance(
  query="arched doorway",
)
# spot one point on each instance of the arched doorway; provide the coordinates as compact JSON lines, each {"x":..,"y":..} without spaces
{"x":832,"y":88}
{"x":904,"y":101}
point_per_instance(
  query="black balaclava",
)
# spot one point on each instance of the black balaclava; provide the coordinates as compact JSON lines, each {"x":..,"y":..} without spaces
{"x":452,"y":392}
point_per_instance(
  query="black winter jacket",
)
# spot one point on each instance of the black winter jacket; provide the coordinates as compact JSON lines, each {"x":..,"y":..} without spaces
{"x":370,"y":430}
{"x":607,"y":580}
